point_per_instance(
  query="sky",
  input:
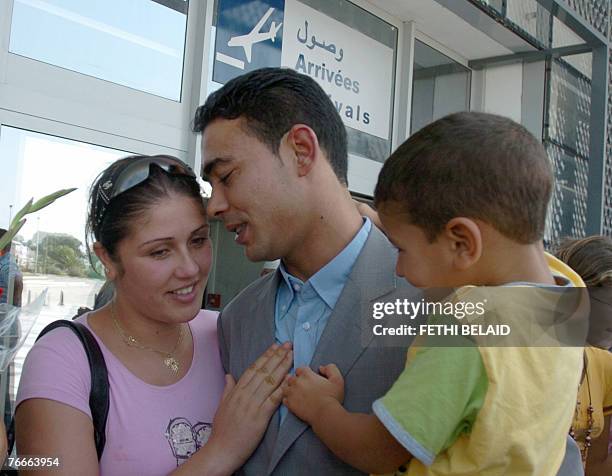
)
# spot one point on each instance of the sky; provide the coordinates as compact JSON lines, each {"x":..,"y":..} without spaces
{"x":47,"y":164}
{"x":136,"y":43}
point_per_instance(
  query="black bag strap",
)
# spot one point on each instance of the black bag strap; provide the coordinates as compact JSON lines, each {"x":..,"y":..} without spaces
{"x":98,"y":397}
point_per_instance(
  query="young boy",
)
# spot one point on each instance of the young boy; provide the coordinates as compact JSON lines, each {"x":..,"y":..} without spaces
{"x":464,"y":200}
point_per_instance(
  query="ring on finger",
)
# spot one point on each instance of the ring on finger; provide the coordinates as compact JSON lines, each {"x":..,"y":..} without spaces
{"x":269,"y":379}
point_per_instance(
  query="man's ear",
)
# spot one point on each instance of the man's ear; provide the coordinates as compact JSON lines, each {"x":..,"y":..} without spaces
{"x":111,"y":269}
{"x":303,"y":143}
{"x":465,"y":240}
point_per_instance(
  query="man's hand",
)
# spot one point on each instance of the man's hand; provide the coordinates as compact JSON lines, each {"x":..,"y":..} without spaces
{"x":367,"y":211}
{"x":307,"y":393}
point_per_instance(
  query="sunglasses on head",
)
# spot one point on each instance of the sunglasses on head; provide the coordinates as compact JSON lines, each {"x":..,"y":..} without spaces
{"x":133,"y":173}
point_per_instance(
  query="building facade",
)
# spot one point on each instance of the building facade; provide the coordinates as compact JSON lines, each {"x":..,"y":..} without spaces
{"x":83,"y":83}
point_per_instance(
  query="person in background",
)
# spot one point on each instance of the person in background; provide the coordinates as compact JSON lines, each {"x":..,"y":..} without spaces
{"x":9,"y":274}
{"x":104,"y":295}
{"x":11,"y":287}
{"x":169,"y":411}
{"x":591,"y":258}
{"x":458,"y":219}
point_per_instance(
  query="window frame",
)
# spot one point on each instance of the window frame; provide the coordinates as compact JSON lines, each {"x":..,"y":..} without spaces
{"x":99,"y":105}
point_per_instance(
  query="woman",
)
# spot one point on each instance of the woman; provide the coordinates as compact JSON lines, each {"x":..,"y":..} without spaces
{"x":165,"y":377}
{"x":591,"y":258}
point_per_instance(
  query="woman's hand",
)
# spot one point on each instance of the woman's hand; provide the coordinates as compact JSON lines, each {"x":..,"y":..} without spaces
{"x":247,"y":406}
{"x":243,"y":415}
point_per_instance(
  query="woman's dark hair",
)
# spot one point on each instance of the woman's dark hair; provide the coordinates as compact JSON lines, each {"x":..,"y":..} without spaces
{"x":112,"y":223}
{"x":590,"y":257}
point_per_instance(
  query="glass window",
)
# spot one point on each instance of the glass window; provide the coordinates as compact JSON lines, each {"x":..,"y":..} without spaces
{"x":440,"y":86}
{"x":564,"y":36}
{"x":567,"y":212}
{"x":135,"y":43}
{"x":49,"y":249}
{"x":569,"y":109}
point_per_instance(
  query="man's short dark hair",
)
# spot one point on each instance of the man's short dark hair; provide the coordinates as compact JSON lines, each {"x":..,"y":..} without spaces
{"x":272,"y":100}
{"x":474,"y":165}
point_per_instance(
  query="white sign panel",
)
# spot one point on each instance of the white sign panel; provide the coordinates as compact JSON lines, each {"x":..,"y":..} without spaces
{"x":354,"y":69}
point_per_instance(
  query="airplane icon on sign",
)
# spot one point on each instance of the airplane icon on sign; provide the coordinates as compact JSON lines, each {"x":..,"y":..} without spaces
{"x":255,"y":36}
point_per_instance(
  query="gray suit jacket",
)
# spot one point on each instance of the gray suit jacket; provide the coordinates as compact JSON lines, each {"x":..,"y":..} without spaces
{"x":246,"y":329}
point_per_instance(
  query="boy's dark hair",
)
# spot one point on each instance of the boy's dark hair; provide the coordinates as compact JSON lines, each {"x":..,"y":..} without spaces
{"x":272,"y":100}
{"x":475,"y":165}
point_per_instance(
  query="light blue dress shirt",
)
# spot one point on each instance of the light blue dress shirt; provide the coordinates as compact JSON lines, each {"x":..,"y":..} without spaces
{"x":303,"y":308}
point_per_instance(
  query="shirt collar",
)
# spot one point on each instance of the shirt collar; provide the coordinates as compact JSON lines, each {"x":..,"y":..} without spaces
{"x":563,"y":275}
{"x":329,"y":281}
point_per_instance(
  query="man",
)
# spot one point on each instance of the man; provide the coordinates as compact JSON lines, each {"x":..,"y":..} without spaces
{"x":275,"y":151}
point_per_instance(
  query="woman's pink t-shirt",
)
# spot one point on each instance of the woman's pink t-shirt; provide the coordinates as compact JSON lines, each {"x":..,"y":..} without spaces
{"x":150,"y":429}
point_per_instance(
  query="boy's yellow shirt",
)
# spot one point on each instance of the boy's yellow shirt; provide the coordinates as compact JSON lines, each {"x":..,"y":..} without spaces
{"x":484,"y":411}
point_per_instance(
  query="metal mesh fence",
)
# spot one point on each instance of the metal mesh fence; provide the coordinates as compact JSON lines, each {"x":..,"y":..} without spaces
{"x":567,"y":213}
{"x":596,"y":13}
{"x":530,"y":17}
{"x":566,"y":131}
{"x":567,"y":143}
{"x":607,"y":209}
{"x":593,"y":11}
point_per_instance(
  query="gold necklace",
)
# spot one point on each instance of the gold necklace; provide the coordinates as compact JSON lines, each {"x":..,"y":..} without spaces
{"x":584,"y":450}
{"x":170,"y":360}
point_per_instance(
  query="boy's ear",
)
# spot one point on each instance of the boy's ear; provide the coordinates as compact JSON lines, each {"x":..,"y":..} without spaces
{"x":304,"y":144}
{"x":465,"y":239}
{"x":111,"y":269}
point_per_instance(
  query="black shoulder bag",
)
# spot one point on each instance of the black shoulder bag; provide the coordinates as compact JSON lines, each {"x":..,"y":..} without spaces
{"x":98,"y":398}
